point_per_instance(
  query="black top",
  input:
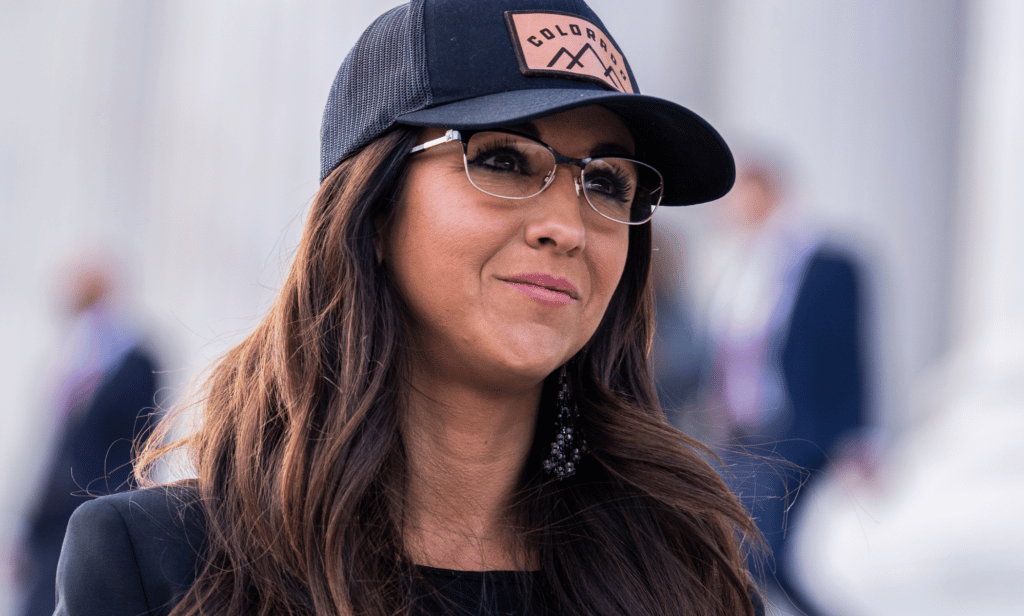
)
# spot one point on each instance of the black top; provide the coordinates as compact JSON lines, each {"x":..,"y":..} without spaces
{"x":466,"y":593}
{"x":137,"y":552}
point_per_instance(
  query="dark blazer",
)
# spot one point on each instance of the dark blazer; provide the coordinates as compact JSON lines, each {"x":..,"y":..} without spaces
{"x":130,"y":553}
{"x":136,"y":553}
{"x":822,"y":361}
{"x":95,"y":452}
{"x":93,"y":457}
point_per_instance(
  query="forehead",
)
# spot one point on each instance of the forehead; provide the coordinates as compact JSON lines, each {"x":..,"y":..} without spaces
{"x":581,"y":132}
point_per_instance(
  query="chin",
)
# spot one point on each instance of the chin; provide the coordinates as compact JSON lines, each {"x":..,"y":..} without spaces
{"x":532,"y":369}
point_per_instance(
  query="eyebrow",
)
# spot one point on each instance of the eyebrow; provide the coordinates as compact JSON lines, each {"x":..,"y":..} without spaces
{"x":527,"y":128}
{"x":608,"y":148}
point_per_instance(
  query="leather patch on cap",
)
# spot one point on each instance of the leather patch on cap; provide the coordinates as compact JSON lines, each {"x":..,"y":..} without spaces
{"x":555,"y":44}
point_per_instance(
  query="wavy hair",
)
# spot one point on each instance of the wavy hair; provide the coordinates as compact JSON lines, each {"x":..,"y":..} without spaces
{"x":302,"y":471}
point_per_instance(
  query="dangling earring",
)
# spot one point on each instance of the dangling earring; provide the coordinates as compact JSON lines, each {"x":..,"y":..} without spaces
{"x":569,"y":441}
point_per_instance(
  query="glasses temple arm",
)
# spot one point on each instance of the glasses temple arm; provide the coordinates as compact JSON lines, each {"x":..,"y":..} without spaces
{"x":451,"y":135}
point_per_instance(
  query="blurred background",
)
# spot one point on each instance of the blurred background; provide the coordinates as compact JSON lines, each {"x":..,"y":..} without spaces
{"x":176,"y":144}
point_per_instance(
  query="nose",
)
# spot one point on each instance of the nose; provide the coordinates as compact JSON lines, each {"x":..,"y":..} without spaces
{"x":557,"y":218}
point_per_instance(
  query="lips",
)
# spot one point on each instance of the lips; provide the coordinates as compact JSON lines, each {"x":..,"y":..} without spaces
{"x":546,"y":281}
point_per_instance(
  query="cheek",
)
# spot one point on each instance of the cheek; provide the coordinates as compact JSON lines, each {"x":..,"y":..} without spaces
{"x":414,"y":257}
{"x":609,"y":263}
{"x":433,"y":248}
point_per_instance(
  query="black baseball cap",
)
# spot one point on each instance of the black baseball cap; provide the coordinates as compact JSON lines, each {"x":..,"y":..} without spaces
{"x":475,"y":64}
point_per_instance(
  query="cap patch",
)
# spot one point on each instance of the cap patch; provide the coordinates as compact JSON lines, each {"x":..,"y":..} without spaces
{"x":555,"y":44}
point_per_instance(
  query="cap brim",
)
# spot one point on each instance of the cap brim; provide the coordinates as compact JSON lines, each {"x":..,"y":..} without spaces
{"x":693,"y":158}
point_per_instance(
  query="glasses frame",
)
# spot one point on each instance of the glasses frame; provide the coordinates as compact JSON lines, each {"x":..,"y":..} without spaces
{"x":464,"y":136}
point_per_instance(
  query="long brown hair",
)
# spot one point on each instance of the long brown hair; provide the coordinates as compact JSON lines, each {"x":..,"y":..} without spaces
{"x":301,"y":469}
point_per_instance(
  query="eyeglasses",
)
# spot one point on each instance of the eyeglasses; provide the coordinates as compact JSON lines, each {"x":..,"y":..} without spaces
{"x":514,"y":166}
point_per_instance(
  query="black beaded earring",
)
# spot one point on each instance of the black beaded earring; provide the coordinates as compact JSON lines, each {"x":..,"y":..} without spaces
{"x":569,"y":441}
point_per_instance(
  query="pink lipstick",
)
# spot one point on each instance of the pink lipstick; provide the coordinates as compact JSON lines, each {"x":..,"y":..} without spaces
{"x":545,"y":287}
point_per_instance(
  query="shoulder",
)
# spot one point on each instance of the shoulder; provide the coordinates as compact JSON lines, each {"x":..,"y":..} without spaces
{"x":832,"y":263}
{"x":163,"y":513}
{"x":130,"y":553}
{"x":829,"y":282}
{"x":136,"y":364}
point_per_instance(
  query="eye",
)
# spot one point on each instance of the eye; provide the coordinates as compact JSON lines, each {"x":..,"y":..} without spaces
{"x":608,"y":182}
{"x":502,"y":155}
{"x":500,"y":161}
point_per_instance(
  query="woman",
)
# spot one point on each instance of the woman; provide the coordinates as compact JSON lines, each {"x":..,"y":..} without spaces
{"x":449,"y":409}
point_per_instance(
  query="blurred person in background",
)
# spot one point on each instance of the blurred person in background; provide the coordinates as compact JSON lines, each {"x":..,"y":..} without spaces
{"x":679,"y":351}
{"x":104,"y":396}
{"x":787,"y":383}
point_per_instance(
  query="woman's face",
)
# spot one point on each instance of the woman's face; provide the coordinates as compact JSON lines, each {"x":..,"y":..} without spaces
{"x":503,"y":291}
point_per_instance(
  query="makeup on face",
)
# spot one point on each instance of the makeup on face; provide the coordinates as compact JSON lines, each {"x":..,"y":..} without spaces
{"x":499,"y":289}
{"x":545,"y":288}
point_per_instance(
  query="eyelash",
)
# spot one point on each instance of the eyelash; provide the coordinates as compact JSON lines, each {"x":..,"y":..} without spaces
{"x":622,"y":185}
{"x":505,"y":146}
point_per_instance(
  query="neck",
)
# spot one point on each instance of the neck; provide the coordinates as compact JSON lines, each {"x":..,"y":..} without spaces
{"x":466,"y":450}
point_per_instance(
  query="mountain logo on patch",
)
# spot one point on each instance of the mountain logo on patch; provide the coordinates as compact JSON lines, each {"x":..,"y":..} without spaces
{"x":555,"y":44}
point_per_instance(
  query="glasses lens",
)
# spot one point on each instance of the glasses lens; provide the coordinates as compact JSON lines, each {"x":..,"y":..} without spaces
{"x":507,"y":165}
{"x":622,"y":189}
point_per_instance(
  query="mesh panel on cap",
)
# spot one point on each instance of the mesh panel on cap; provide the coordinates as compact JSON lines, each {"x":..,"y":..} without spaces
{"x":383,"y":77}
